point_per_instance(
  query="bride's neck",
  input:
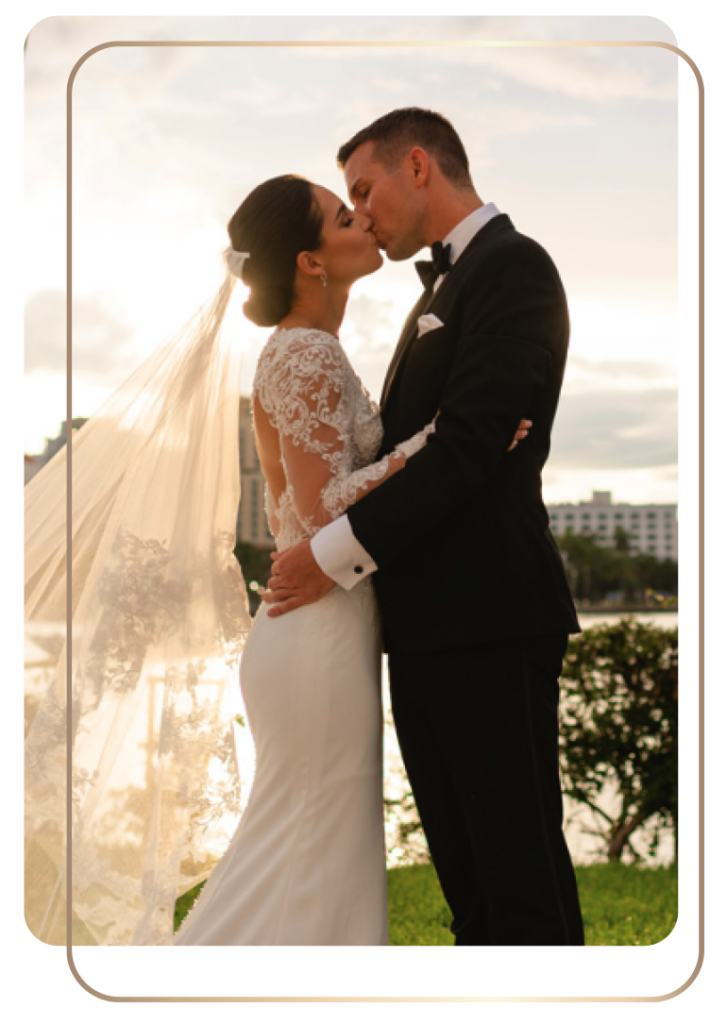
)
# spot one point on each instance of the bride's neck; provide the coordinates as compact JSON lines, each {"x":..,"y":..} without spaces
{"x":321,"y":309}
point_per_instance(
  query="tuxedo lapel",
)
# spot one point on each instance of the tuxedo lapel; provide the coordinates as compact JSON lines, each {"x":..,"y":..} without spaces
{"x":407,"y":334}
{"x":429,"y":298}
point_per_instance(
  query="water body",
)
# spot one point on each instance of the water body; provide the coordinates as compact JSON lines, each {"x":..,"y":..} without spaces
{"x":43,"y":642}
{"x":666,"y":620}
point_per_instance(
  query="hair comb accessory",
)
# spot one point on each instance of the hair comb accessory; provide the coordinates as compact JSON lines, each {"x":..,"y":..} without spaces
{"x":235,"y":260}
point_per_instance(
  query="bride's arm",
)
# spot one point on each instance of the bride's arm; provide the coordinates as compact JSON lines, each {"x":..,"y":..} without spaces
{"x":320,"y":494}
{"x":314,"y":419}
{"x":345,"y":489}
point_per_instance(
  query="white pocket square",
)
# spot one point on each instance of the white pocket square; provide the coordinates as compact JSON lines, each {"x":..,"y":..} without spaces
{"x":428,"y":322}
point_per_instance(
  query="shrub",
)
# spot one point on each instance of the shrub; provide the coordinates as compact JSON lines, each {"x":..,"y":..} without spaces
{"x":618,"y":729}
{"x":619,"y":726}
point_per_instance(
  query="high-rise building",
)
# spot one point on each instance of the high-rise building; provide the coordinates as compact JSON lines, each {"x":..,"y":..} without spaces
{"x":651,"y":529}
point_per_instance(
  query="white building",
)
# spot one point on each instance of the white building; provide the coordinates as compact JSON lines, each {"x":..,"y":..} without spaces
{"x":652,"y":529}
{"x":252,"y":524}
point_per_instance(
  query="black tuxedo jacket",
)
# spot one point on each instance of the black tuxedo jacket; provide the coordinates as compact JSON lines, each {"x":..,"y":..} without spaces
{"x":461,"y":534}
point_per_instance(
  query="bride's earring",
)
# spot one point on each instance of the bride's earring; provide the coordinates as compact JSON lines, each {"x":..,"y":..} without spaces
{"x":324,"y":279}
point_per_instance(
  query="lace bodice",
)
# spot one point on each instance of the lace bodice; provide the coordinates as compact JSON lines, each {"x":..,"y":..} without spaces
{"x":329,"y":430}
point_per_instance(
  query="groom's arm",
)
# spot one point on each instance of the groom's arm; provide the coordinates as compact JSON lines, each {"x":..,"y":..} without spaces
{"x":502,"y":362}
{"x":340,"y":555}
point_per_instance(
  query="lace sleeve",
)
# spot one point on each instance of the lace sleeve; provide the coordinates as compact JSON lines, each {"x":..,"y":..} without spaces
{"x":311,"y":395}
{"x":342,"y":491}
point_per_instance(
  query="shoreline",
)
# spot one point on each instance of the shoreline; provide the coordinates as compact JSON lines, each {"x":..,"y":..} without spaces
{"x":611,"y":609}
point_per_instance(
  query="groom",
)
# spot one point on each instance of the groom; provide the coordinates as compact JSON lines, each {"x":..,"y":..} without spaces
{"x":473,"y":595}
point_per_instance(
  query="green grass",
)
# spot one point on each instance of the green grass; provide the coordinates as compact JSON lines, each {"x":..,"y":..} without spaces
{"x":184,"y":904}
{"x":622,"y":905}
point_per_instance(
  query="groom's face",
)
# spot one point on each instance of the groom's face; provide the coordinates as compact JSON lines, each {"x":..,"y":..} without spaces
{"x":392,"y":199}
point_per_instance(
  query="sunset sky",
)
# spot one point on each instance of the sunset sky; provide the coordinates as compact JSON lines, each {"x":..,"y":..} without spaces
{"x":578,"y":146}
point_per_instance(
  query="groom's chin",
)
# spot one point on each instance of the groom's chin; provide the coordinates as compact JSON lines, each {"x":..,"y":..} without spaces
{"x":398,"y":254}
{"x":393,"y":254}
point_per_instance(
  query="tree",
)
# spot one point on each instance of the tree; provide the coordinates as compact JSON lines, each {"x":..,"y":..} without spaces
{"x":621,"y":540}
{"x":590,"y":567}
{"x":594,"y":570}
{"x":619,"y":725}
{"x":665,"y":576}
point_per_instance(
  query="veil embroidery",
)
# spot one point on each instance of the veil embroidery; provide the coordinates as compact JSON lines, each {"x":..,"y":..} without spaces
{"x":159,"y":614}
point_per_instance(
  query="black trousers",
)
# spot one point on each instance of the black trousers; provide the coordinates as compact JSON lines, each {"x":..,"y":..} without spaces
{"x":478,"y":731}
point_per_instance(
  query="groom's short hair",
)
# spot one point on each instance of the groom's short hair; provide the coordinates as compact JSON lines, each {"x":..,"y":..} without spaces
{"x":400,"y":130}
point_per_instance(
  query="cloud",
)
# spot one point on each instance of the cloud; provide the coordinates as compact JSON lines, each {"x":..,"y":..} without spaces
{"x":599,"y":75}
{"x":369,"y":321}
{"x":100,"y":337}
{"x":584,"y":374}
{"x":570,"y":28}
{"x":369,"y":333}
{"x":589,"y":74}
{"x":615,"y":429}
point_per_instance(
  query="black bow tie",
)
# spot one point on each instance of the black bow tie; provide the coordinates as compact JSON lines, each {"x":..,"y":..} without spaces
{"x":430,"y":271}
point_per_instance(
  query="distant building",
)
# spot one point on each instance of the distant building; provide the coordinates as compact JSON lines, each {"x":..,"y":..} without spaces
{"x":34,"y":463}
{"x":252,"y":523}
{"x":54,"y":444}
{"x":651,"y":529}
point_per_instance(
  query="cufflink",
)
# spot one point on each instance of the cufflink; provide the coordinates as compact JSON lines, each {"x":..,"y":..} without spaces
{"x":358,"y":569}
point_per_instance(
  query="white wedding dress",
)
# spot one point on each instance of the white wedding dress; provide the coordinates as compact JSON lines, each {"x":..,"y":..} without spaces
{"x":307,"y":864}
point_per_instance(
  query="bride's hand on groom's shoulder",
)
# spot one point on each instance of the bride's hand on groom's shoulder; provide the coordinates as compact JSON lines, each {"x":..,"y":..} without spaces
{"x":296,"y":579}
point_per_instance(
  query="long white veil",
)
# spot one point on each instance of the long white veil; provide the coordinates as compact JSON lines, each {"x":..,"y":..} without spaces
{"x":159,"y":614}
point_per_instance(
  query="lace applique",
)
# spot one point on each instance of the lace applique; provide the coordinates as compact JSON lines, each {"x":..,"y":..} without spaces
{"x":188,"y":788}
{"x":329,"y":428}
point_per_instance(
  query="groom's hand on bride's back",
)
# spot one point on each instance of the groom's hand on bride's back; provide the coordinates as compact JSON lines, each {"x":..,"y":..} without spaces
{"x":297,"y":579}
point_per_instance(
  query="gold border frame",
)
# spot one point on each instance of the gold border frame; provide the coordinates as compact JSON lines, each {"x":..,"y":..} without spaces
{"x":700,"y":263}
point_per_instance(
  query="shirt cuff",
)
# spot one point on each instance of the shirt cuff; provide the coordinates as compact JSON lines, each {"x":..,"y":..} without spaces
{"x":340,"y":555}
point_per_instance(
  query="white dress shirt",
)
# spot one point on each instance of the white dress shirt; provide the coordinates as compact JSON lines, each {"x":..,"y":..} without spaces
{"x":335,"y":548}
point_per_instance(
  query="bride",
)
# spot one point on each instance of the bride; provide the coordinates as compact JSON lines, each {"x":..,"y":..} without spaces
{"x":160,"y":613}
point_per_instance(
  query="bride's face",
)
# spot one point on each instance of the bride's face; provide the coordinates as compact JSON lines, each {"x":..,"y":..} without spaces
{"x":349,"y":249}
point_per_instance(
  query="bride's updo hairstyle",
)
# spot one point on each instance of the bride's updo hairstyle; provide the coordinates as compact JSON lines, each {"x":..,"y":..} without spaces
{"x":278,"y":220}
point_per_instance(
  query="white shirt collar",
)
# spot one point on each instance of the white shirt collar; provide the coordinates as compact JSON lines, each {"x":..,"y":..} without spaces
{"x":462,"y":234}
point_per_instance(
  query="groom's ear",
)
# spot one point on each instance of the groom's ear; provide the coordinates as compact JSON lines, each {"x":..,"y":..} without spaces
{"x":418,"y":165}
